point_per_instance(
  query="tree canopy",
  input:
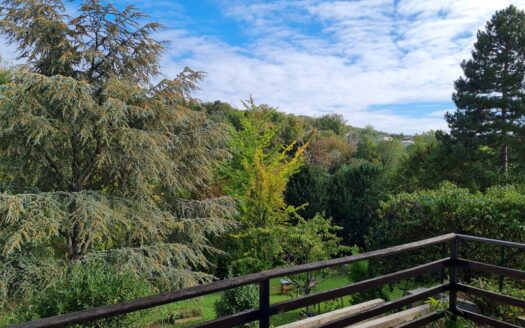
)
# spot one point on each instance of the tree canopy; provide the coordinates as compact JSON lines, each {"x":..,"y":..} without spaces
{"x":101,"y":161}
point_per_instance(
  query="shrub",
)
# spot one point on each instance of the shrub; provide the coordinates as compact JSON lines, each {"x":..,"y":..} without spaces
{"x":498,"y":213}
{"x":86,"y":286}
{"x":498,"y":310}
{"x":236,"y":300}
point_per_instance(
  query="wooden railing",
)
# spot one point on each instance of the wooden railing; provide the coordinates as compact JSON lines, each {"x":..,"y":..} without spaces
{"x":265,"y":310}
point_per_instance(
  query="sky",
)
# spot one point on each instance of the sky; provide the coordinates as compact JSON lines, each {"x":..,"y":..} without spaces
{"x":390,"y":64}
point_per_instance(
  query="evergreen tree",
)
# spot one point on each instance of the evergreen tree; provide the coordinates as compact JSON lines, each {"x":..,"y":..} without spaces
{"x":490,"y":97}
{"x":355,"y":192}
{"x":102,"y":162}
{"x":309,"y":186}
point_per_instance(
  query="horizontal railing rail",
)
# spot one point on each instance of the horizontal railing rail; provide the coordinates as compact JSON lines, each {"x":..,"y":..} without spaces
{"x":266,"y":310}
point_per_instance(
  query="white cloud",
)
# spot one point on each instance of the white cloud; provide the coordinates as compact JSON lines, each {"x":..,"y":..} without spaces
{"x":354,"y":55}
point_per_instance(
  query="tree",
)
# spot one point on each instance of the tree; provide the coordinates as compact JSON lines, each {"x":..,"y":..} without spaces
{"x":330,"y":151}
{"x":434,"y":159}
{"x":310,"y":241}
{"x":490,"y":97}
{"x":257,"y":176}
{"x":355,"y":191}
{"x":308,"y":191}
{"x":331,"y":122}
{"x":259,"y":171}
{"x":102,"y":162}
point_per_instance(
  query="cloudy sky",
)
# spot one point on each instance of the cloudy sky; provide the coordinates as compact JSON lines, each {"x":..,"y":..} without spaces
{"x":390,"y":64}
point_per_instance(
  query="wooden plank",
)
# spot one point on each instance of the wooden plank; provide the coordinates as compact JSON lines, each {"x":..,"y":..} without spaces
{"x":424,"y":320}
{"x":233,"y":320}
{"x":357,"y":287}
{"x":389,"y":306}
{"x":490,"y":268}
{"x":217,"y":286}
{"x":484,"y":320}
{"x":492,"y":296}
{"x":491,"y":241}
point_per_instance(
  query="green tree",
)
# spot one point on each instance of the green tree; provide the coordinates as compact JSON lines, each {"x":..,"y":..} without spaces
{"x":102,"y":162}
{"x":355,"y":191}
{"x":331,"y":122}
{"x":490,"y":97}
{"x":257,"y":176}
{"x":308,"y":191}
{"x":310,"y":241}
{"x":434,"y":159}
{"x":391,"y":153}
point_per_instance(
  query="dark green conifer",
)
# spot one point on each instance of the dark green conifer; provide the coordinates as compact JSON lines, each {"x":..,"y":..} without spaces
{"x":490,"y":97}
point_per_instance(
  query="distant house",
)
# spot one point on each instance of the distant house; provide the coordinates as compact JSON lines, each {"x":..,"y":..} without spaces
{"x":407,"y":142}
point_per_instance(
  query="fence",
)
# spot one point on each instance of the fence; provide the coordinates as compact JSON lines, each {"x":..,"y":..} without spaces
{"x":265,"y":310}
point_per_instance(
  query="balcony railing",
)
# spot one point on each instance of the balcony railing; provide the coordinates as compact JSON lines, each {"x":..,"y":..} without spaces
{"x":265,"y":310}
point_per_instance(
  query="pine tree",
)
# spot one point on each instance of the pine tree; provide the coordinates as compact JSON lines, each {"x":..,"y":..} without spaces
{"x":101,"y":162}
{"x":490,"y":97}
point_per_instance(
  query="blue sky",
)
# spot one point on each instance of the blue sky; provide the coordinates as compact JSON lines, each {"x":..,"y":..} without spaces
{"x":388,"y":63}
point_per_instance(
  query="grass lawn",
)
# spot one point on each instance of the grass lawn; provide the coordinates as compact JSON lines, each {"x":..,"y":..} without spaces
{"x":206,"y":303}
{"x":158,"y":317}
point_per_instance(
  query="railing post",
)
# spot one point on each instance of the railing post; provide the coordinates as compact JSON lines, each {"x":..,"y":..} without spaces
{"x":453,"y":294}
{"x":501,"y":263}
{"x":264,"y":304}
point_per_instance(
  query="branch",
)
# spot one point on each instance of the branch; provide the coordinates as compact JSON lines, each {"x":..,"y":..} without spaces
{"x":91,"y":168}
{"x":54,"y":166}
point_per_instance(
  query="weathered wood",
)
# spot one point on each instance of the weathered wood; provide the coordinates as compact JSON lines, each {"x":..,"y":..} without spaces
{"x":491,"y":296}
{"x":424,"y":320}
{"x":484,"y":320}
{"x":490,"y":268}
{"x":106,"y":311}
{"x":266,"y":309}
{"x":389,"y":306}
{"x":491,"y":241}
{"x":233,"y":320}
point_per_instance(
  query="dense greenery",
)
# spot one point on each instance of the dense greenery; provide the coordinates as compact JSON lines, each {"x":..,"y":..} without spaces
{"x":85,"y":286}
{"x":116,"y":183}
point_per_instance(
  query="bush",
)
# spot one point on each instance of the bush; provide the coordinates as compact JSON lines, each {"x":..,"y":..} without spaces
{"x":498,"y":213}
{"x":498,"y":310}
{"x":86,"y":286}
{"x":237,"y":300}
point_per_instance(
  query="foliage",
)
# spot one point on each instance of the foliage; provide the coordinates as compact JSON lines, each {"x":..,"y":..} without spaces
{"x":331,"y":122}
{"x":307,"y":190}
{"x":330,"y":152}
{"x":391,"y":153}
{"x":102,"y":164}
{"x":498,"y":310}
{"x":433,"y":159}
{"x":237,"y":300}
{"x":257,"y":176}
{"x":310,"y":241}
{"x":355,"y":192}
{"x":450,"y":320}
{"x":497,"y":213}
{"x":87,"y":285}
{"x":260,"y":169}
{"x":490,"y":99}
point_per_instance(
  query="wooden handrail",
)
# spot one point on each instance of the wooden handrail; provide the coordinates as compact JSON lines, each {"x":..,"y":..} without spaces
{"x":266,"y":309}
